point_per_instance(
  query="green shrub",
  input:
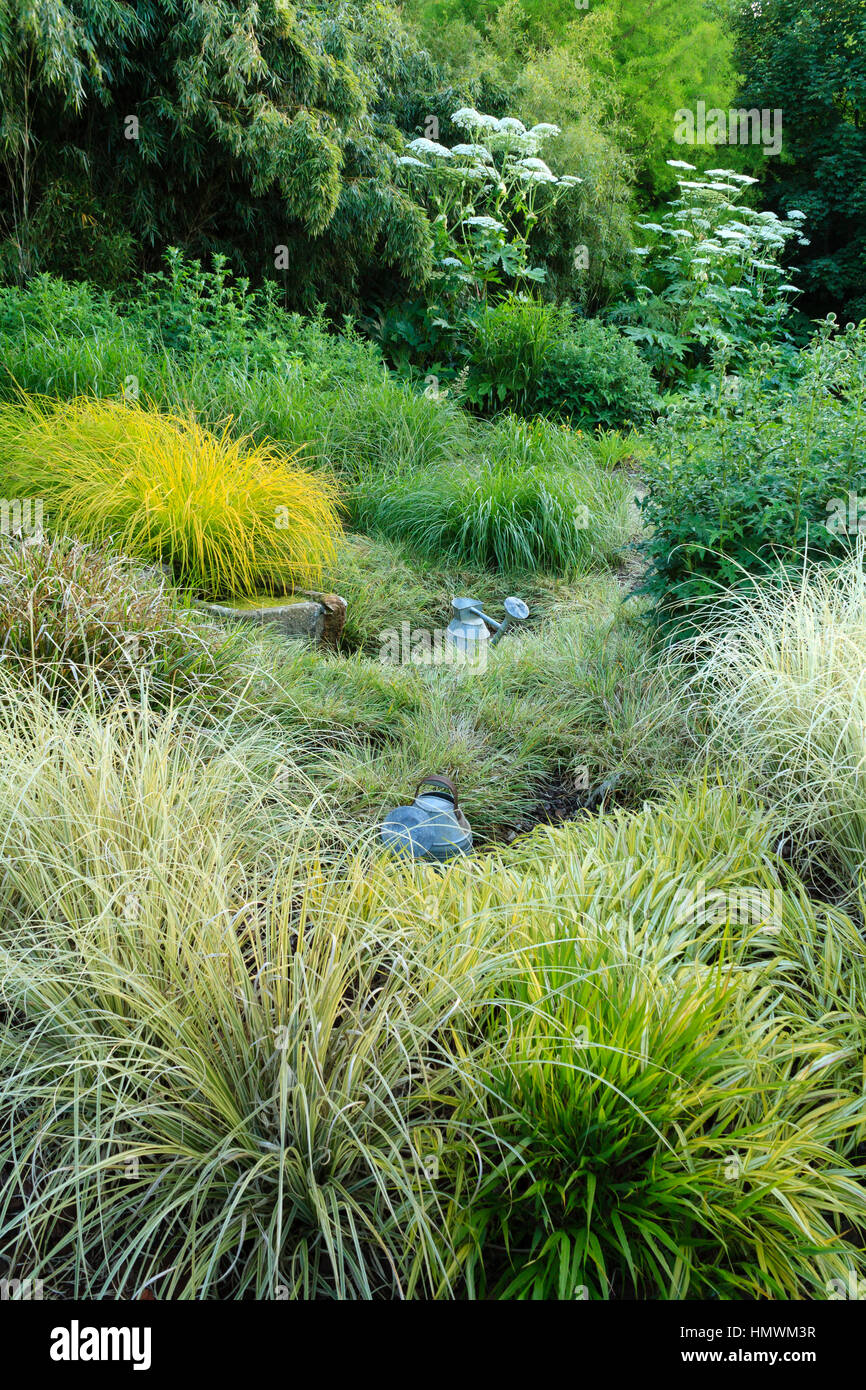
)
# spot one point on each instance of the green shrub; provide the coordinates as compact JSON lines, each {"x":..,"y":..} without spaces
{"x":759,"y":474}
{"x":709,"y":277}
{"x":536,"y":358}
{"x":594,"y":376}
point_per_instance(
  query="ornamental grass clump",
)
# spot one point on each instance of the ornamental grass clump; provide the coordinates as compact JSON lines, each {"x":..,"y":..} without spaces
{"x":533,"y":500}
{"x":75,"y":617}
{"x":783,"y":675}
{"x":237,"y":1064}
{"x":218,"y":1079}
{"x":228,"y":517}
{"x":664,"y":1108}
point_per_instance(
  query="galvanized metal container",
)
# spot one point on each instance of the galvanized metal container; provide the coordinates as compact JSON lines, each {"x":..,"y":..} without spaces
{"x":433,"y":827}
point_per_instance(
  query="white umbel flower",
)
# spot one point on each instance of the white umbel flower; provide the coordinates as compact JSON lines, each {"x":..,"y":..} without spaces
{"x":474,"y":152}
{"x":488,"y":223}
{"x":533,"y":162}
{"x":424,"y":146}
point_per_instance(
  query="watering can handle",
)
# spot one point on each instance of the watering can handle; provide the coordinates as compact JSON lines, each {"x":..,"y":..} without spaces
{"x":439,"y":781}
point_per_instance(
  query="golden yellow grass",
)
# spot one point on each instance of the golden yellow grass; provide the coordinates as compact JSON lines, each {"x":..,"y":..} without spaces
{"x":228,"y":516}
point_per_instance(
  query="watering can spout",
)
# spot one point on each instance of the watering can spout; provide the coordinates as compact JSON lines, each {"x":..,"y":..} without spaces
{"x":516,"y":611}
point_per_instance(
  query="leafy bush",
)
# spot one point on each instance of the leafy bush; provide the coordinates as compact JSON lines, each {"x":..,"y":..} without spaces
{"x":228,"y":517}
{"x":760,"y":473}
{"x":517,"y":511}
{"x":75,"y":619}
{"x":535,"y":358}
{"x":593,"y":376}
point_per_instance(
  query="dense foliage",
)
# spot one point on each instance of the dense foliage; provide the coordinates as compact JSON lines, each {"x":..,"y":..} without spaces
{"x":641,"y":62}
{"x":810,"y":62}
{"x":349,"y":296}
{"x":771,"y":466}
{"x":216,"y":125}
{"x":709,"y":278}
{"x":75,"y":618}
{"x":535,"y":357}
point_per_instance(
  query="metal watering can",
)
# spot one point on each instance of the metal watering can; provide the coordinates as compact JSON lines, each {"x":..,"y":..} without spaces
{"x":433,"y":827}
{"x":468,"y":629}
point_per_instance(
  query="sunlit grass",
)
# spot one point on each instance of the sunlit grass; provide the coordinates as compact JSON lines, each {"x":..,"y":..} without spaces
{"x":240,"y":1058}
{"x":783,"y":674}
{"x":218,"y":1079}
{"x":225,"y":515}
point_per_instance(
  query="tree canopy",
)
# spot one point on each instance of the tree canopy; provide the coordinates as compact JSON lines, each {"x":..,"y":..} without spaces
{"x":219,"y":126}
{"x":810,"y":62}
{"x":650,"y":57}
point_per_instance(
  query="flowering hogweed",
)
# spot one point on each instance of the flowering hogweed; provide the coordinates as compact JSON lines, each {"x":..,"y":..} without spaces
{"x":709,"y":278}
{"x":486,"y":194}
